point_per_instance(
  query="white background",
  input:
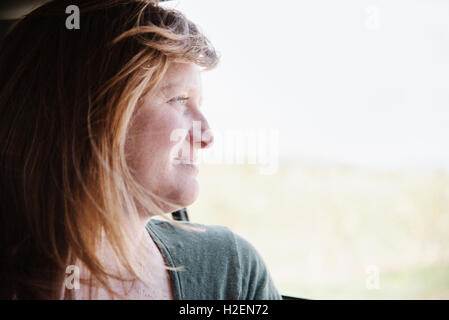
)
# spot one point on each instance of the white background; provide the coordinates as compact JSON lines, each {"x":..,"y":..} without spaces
{"x":358,"y":82}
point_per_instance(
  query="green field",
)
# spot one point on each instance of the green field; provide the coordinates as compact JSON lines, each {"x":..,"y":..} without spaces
{"x":322,"y":229}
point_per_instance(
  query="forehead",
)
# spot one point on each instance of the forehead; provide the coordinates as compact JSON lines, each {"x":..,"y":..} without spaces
{"x":181,"y":76}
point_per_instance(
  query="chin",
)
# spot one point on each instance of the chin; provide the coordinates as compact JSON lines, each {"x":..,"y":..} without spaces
{"x":182,"y":198}
{"x":188,"y":196}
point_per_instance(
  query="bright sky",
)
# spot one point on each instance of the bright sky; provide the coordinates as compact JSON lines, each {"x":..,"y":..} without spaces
{"x":360,"y":82}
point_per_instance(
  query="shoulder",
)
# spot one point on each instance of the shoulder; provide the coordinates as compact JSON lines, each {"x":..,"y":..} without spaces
{"x":220,"y":257}
{"x":187,"y":234}
{"x":211,"y":238}
{"x":196,"y":242}
{"x":256,"y":281}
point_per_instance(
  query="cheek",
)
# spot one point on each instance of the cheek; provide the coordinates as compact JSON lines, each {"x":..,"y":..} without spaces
{"x":153,"y":141}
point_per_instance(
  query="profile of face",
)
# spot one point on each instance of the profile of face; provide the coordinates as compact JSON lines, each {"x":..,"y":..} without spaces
{"x":166,"y":132}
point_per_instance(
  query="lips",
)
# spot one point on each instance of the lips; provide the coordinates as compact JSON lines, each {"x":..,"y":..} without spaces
{"x":186,"y":164}
{"x":185,"y":161}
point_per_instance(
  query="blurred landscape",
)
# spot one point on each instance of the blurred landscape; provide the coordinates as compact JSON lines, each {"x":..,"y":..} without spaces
{"x":337,"y":231}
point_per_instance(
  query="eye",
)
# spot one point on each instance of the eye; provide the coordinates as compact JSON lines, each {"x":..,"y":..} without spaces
{"x":179,"y":100}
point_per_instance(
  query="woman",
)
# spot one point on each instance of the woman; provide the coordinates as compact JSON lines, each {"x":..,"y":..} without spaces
{"x":99,"y":127}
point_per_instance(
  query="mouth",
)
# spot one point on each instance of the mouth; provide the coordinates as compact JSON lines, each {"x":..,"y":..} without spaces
{"x":188,"y":165}
{"x":187,"y":162}
{"x":193,"y":161}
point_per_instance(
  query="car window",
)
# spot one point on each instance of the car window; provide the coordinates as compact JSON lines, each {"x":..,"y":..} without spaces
{"x":331,"y":151}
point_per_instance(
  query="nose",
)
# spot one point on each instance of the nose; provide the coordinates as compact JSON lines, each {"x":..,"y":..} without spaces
{"x":206,"y":139}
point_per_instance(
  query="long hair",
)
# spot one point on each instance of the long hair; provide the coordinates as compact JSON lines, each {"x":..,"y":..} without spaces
{"x":66,"y":100}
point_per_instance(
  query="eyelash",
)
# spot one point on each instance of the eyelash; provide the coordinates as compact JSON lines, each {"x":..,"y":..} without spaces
{"x":180,"y":98}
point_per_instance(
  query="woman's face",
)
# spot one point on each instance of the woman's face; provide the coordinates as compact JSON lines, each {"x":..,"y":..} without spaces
{"x":167,"y":130}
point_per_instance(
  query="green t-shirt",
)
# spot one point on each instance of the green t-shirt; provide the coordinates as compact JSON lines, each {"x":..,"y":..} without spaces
{"x":217,"y":264}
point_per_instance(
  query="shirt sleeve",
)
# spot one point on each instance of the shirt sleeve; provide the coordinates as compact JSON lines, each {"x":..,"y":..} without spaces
{"x":254,"y":278}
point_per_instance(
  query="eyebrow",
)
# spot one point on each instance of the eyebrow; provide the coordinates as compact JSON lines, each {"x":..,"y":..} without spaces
{"x":180,"y":85}
{"x":174,"y":85}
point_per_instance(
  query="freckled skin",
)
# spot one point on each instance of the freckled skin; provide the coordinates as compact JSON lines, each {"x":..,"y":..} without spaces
{"x":149,"y":147}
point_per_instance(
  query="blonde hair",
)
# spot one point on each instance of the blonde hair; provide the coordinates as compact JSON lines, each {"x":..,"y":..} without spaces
{"x":66,"y":101}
